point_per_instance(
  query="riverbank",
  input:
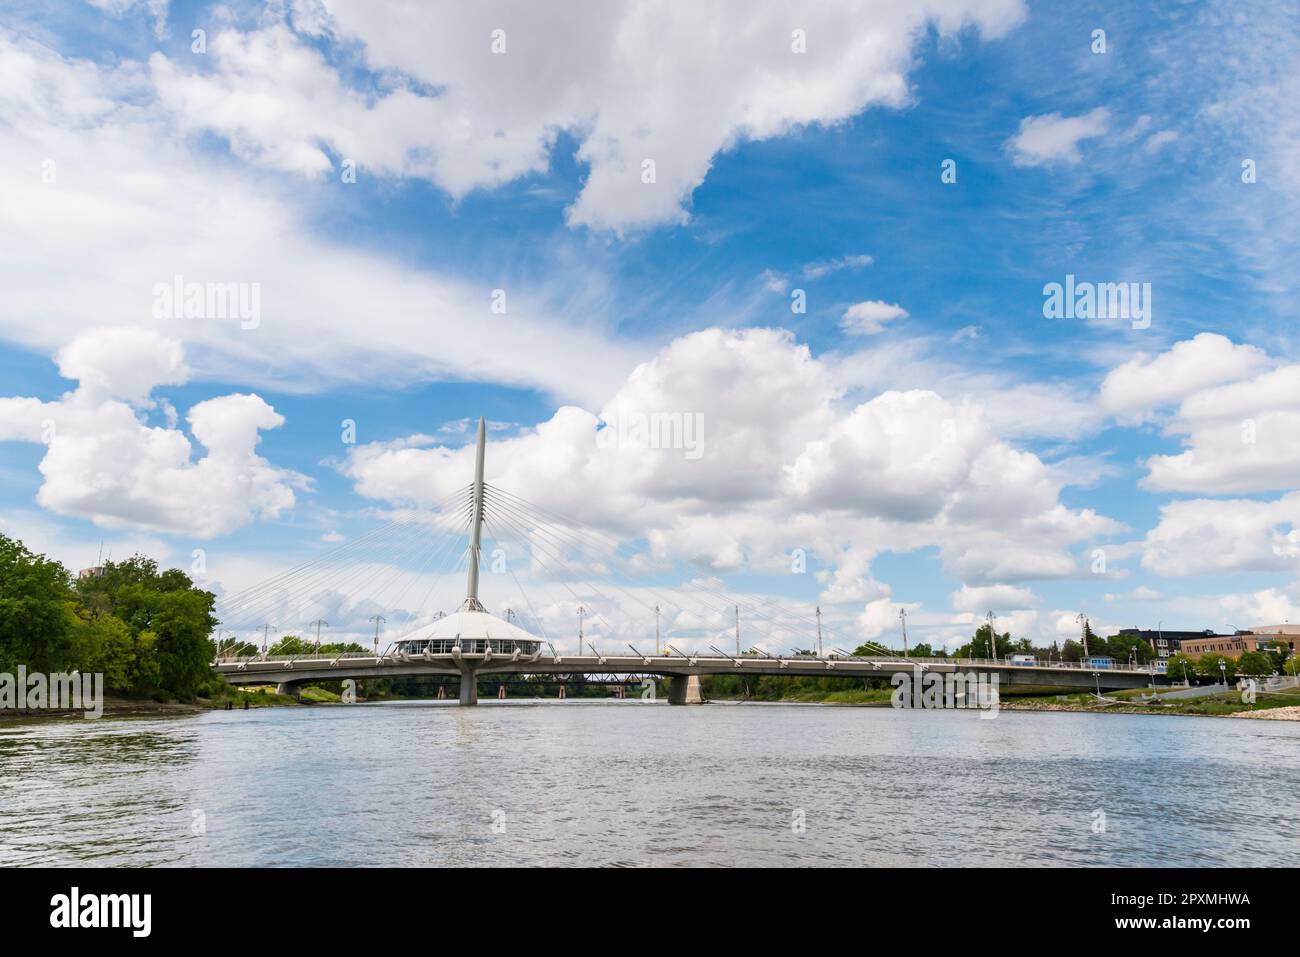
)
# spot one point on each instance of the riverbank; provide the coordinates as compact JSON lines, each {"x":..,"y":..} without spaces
{"x":1139,"y":701}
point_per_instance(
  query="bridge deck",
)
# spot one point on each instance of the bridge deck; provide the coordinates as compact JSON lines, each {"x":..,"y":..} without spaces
{"x":293,"y":670}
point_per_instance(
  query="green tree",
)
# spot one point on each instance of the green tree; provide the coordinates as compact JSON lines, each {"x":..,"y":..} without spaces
{"x":1255,"y":663}
{"x":35,"y":625}
{"x":1207,"y":666}
{"x":165,"y":606}
{"x":1181,"y":667}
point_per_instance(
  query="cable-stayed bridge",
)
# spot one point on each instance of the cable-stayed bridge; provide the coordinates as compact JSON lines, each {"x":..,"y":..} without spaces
{"x":424,"y":553}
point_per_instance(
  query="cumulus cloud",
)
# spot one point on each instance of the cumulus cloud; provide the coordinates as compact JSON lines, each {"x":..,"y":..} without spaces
{"x":868,"y":318}
{"x":783,"y":463}
{"x":448,"y":109}
{"x":1237,"y":414}
{"x":993,"y":598}
{"x":104,"y":463}
{"x":1131,"y":390}
{"x":1268,"y":606}
{"x":1053,"y":138}
{"x":122,"y":362}
{"x":1204,"y":536}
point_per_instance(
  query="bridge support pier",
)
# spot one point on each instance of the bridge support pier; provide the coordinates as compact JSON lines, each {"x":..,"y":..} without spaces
{"x":468,"y":685}
{"x":285,"y":687}
{"x":685,"y":689}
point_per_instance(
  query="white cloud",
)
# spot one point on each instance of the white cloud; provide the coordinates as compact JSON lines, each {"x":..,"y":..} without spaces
{"x":868,"y":318}
{"x":1268,"y":606}
{"x":1053,"y":138}
{"x":1205,"y":536}
{"x":451,"y":111}
{"x":782,"y":465}
{"x":1145,"y":383}
{"x":993,"y":598}
{"x":122,"y":363}
{"x":819,"y":270}
{"x":1238,"y":415}
{"x":104,"y":463}
{"x":132,"y":207}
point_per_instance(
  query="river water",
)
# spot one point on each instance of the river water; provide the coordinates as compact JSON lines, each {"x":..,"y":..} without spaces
{"x":631,"y":784}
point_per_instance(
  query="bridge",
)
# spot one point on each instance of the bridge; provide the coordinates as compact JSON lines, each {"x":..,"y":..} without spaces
{"x":473,"y":645}
{"x":287,"y":672}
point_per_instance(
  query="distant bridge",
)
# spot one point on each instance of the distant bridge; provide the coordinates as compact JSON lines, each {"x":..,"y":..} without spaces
{"x":288,"y":672}
{"x":471,"y":644}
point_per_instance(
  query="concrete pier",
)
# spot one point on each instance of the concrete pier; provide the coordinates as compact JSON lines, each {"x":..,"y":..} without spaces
{"x":685,"y":689}
{"x":468,"y":686}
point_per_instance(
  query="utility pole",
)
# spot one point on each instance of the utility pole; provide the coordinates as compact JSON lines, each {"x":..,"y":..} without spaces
{"x":378,"y":620}
{"x":658,"y":650}
{"x":318,"y":622}
{"x":737,"y":631}
{"x":819,"y":631}
{"x":902,"y":617}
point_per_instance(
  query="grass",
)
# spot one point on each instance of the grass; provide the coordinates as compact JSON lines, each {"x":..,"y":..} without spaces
{"x":1224,"y":703}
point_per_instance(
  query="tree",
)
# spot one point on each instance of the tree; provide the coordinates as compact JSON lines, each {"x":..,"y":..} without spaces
{"x":105,"y":645}
{"x":978,"y":646}
{"x":1207,"y":666}
{"x":165,"y":606}
{"x":1121,"y":648}
{"x":35,"y":625}
{"x":1255,"y":663}
{"x":1180,"y":667}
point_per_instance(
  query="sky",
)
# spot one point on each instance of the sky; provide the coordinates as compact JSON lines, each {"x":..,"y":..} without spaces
{"x":266,"y":264}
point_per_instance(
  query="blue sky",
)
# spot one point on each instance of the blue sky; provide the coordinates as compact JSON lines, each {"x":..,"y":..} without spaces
{"x":777,"y":172}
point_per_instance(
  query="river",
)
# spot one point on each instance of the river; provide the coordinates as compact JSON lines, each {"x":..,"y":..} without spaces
{"x":633,"y":784}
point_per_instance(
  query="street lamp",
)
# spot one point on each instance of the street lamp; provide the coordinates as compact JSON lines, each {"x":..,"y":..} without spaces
{"x":1223,"y":670}
{"x":1097,"y":676}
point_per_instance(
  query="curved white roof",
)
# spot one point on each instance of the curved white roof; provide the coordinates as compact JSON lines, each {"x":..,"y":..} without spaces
{"x":468,"y":625}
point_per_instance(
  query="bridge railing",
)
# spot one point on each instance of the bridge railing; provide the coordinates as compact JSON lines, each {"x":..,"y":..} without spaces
{"x":894,"y":659}
{"x":237,"y":659}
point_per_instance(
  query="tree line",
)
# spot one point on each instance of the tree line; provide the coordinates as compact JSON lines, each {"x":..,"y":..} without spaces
{"x":144,"y":629}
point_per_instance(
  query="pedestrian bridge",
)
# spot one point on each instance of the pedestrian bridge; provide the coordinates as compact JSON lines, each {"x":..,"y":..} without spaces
{"x":287,"y":672}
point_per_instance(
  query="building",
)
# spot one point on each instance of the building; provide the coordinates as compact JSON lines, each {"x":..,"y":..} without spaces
{"x":1261,"y":638}
{"x":1267,"y":637}
{"x":96,"y":571}
{"x":1231,"y":646}
{"x":1165,"y":643}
